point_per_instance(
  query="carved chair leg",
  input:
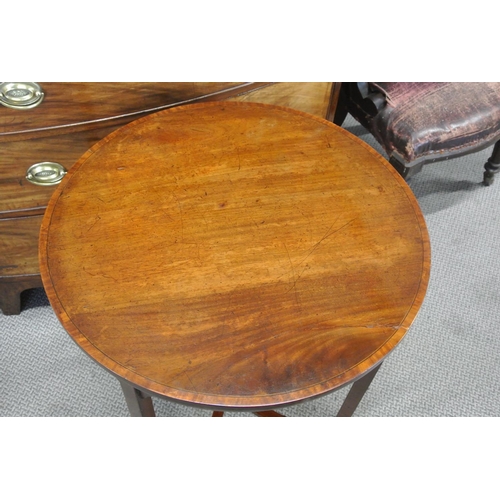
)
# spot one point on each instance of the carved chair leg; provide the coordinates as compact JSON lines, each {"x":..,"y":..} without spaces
{"x":492,"y":166}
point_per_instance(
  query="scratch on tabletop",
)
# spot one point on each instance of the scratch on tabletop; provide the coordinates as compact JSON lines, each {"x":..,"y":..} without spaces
{"x":327,"y":235}
{"x":97,"y":219}
{"x":296,"y":277}
{"x":181,"y":214}
{"x":100,"y":274}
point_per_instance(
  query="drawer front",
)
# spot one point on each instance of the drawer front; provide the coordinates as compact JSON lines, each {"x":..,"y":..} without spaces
{"x":39,"y":141}
{"x":19,"y":246}
{"x":70,"y":119}
{"x":18,"y":196}
{"x":77,"y":104}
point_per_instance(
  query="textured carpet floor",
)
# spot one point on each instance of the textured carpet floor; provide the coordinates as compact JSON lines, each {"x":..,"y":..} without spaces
{"x":447,"y":365}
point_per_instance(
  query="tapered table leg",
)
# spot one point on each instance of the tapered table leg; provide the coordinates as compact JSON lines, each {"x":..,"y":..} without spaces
{"x":356,"y":393}
{"x":268,"y":413}
{"x":138,"y":403}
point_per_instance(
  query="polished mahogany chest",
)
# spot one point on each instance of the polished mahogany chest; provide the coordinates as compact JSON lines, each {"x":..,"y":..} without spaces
{"x":46,"y":127}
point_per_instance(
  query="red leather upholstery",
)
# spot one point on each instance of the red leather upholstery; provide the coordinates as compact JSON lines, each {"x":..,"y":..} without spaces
{"x":421,"y":121}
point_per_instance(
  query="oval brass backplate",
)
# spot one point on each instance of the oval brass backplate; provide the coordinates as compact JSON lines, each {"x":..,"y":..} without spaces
{"x":21,"y":95}
{"x":47,"y":173}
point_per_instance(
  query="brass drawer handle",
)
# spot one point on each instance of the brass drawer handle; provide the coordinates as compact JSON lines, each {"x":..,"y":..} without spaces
{"x":47,"y":173}
{"x":21,"y":95}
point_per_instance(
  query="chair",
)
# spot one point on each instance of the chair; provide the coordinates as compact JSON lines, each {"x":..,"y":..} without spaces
{"x":419,"y":123}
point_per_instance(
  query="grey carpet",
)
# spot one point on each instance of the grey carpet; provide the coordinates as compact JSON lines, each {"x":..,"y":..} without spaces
{"x":448,"y":365}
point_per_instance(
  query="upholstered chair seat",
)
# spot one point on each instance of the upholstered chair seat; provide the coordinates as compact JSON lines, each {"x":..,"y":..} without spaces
{"x":418,"y":123}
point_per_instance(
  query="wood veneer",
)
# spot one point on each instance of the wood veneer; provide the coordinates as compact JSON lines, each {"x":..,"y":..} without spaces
{"x":230,"y":255}
{"x":73,"y":116}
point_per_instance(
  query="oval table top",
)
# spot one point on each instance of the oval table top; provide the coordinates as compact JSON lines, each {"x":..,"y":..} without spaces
{"x":235,"y":255}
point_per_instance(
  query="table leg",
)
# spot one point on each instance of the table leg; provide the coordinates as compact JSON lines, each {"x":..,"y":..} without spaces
{"x":356,"y":393}
{"x":138,"y":403}
{"x":141,"y":405}
{"x":268,"y":413}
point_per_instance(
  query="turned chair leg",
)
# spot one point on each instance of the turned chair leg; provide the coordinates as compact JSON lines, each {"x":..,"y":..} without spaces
{"x":492,"y":166}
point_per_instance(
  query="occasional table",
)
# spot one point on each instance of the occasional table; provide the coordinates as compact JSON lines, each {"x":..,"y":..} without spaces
{"x":235,"y":256}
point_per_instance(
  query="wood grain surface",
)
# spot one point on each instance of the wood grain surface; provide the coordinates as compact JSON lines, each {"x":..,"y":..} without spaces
{"x":19,"y":238}
{"x":234,"y":255}
{"x":81,"y":105}
{"x":74,"y":116}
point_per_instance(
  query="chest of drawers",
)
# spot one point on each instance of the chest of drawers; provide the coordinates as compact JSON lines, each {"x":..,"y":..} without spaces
{"x":46,"y":127}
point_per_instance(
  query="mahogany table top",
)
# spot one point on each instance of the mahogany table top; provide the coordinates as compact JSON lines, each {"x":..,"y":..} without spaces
{"x":234,"y":255}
